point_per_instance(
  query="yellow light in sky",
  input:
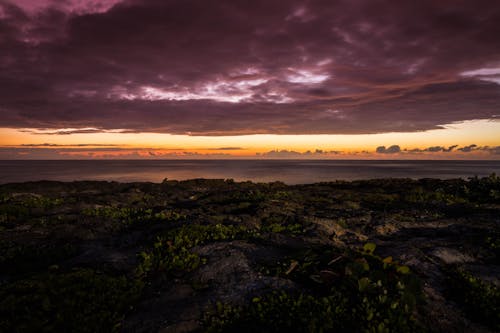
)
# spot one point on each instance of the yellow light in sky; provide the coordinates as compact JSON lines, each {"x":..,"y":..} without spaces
{"x":480,"y":132}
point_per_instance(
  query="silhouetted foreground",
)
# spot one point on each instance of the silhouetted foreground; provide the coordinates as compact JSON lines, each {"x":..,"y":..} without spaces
{"x":394,"y":255}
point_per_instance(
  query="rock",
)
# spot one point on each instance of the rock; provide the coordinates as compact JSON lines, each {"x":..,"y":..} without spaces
{"x":452,"y":256}
{"x":182,"y":327}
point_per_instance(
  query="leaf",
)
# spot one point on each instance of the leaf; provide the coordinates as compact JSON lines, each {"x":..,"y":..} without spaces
{"x":316,"y":278}
{"x":387,"y":260}
{"x":403,"y":269}
{"x":293,"y":265}
{"x":363,"y":283}
{"x":364,"y":264}
{"x":369,"y":247}
{"x":328,"y":276}
{"x":335,"y":260}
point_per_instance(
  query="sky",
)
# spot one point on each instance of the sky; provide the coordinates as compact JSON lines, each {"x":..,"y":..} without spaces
{"x":365,"y":79}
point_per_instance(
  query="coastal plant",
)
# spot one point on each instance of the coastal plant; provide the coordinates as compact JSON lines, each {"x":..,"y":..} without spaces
{"x":278,"y":223}
{"x":479,"y":299}
{"x":351,"y":291}
{"x":493,"y":245}
{"x":81,"y":300}
{"x":130,"y":215}
{"x":281,"y":311}
{"x":13,"y":208}
{"x":19,"y":259}
{"x":172,"y":254}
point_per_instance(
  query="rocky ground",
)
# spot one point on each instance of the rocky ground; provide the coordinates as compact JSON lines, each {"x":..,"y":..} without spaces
{"x":390,"y":255}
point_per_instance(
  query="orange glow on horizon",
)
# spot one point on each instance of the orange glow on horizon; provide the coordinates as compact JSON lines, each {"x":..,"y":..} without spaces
{"x":148,"y":145}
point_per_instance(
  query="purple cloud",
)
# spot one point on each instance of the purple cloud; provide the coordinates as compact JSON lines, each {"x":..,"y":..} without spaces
{"x":237,"y":67}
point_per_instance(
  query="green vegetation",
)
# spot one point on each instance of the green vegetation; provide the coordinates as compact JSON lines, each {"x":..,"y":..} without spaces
{"x":171,"y":253}
{"x":105,"y":256}
{"x":77,"y":301}
{"x":128,"y":215}
{"x":280,"y":223}
{"x":354,"y":292}
{"x":16,"y":209}
{"x":479,"y":299}
{"x":18,"y":259}
{"x":280,"y":312}
{"x":493,"y":244}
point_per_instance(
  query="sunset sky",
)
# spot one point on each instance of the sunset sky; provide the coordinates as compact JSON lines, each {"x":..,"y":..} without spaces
{"x":367,"y":79}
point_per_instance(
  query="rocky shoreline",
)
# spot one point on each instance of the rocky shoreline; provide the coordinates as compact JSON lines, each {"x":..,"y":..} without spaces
{"x":389,"y":255}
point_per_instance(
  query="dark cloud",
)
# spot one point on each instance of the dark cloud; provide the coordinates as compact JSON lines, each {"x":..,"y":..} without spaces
{"x":394,"y":149}
{"x":34,"y":145}
{"x":46,"y":131}
{"x":450,"y":148}
{"x":493,"y":150}
{"x":224,"y":148}
{"x":75,"y":152}
{"x":468,"y":149}
{"x":243,"y":67}
{"x":440,"y":149}
{"x":433,"y":149}
{"x":290,"y":154}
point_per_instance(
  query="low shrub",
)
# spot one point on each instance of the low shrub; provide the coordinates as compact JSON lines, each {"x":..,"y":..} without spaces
{"x":479,"y":299}
{"x":83,"y":300}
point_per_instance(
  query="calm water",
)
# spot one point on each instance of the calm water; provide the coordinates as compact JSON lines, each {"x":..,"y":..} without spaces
{"x":288,"y":171}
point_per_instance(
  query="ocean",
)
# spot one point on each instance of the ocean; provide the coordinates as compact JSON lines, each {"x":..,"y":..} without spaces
{"x":287,"y":171}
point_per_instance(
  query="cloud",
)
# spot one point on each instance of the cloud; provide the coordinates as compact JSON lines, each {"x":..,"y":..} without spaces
{"x":450,"y":148}
{"x":247,"y":67}
{"x":471,"y":148}
{"x":99,"y":152}
{"x":225,"y":148}
{"x":433,"y":149}
{"x":291,"y":154}
{"x":104,"y":151}
{"x":244,"y":68}
{"x":495,"y":150}
{"x":34,"y":145}
{"x":468,"y":149}
{"x":394,"y":149}
{"x":45,"y":131}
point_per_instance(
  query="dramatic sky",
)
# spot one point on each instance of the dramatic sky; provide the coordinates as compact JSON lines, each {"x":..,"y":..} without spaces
{"x":235,"y":78}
